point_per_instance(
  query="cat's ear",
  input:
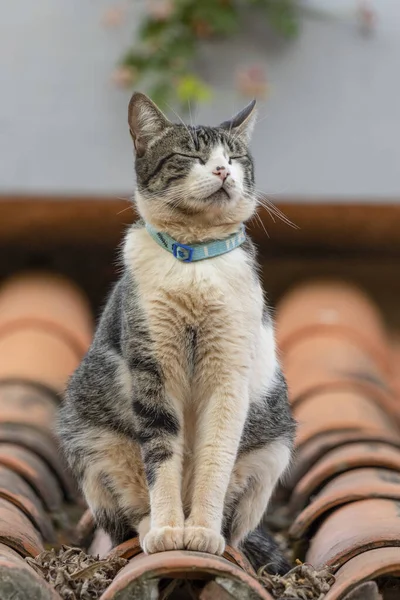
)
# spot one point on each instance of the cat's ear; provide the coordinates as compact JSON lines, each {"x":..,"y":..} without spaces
{"x":145,"y":121}
{"x":243,"y":123}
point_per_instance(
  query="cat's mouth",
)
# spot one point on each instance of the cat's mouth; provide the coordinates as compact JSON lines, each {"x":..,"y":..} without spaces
{"x":225,"y":191}
{"x":217,"y":198}
{"x":220,"y":195}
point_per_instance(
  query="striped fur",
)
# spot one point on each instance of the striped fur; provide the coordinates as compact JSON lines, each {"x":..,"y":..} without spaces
{"x":176,"y":423}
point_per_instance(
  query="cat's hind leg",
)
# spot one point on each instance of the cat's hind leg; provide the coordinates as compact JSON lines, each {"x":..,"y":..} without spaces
{"x":114,"y":484}
{"x":254,"y":478}
{"x":263,"y":457}
{"x":262,"y":551}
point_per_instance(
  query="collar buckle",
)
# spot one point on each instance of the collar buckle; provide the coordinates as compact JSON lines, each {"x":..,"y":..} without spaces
{"x":182,"y":252}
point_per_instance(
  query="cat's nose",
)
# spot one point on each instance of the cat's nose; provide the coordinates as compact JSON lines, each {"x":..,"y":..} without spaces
{"x":221,"y":172}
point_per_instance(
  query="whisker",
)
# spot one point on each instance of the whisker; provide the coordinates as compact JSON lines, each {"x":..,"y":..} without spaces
{"x":192,"y":125}
{"x":124,"y":210}
{"x":129,"y":199}
{"x":271,"y":208}
{"x":262,"y":119}
{"x":261,"y":223}
{"x":182,"y":121}
{"x":271,"y":214}
{"x":282,"y":215}
{"x":266,"y":202}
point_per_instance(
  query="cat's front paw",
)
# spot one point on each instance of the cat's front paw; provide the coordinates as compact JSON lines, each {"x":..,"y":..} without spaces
{"x":160,"y":539}
{"x":202,"y":539}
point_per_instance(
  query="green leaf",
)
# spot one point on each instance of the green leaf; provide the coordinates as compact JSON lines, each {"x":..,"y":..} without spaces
{"x":191,"y":87}
{"x":167,"y":46}
{"x":282,"y":16}
{"x":180,"y":47}
{"x":134,"y":59}
{"x":222,"y":17}
{"x":152,"y":28}
{"x":225,"y":23}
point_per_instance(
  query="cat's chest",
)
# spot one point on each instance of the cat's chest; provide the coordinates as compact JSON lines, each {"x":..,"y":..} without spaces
{"x":178,"y":294}
{"x":197,"y":312}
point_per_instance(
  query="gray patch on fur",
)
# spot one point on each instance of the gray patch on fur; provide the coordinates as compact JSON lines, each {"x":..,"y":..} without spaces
{"x":261,"y":550}
{"x":269,"y":419}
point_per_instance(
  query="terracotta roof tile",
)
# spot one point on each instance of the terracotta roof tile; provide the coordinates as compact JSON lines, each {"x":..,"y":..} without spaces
{"x":45,"y":447}
{"x":26,"y":404}
{"x":131,"y":548}
{"x":310,"y":452}
{"x":340,"y":410}
{"x":341,"y":459}
{"x":39,"y":348}
{"x":354,"y":529}
{"x":351,"y":486}
{"x":342,"y":496}
{"x":45,"y":328}
{"x":17,"y":531}
{"x":48,"y":299}
{"x":326,"y":360}
{"x":19,"y":580}
{"x":142,"y":574}
{"x":368,"y":565}
{"x":128,"y":549}
{"x":334,"y":309}
{"x":15,"y":490}
{"x":344,"y":486}
{"x":85,"y":530}
{"x":35,"y":472}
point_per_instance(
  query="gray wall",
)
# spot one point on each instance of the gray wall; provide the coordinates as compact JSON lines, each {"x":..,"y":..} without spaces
{"x":330,"y":127}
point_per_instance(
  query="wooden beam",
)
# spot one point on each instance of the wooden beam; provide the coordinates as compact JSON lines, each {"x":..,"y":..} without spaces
{"x":340,"y":228}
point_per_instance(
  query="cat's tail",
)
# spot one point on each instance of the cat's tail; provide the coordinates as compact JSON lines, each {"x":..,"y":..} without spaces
{"x":261,"y":550}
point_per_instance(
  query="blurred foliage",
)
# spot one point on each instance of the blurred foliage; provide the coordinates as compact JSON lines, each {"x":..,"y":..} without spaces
{"x":170,"y":35}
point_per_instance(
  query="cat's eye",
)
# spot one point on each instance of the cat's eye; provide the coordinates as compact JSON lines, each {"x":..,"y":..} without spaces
{"x":191,"y":156}
{"x":236,"y":158}
{"x":230,"y":160}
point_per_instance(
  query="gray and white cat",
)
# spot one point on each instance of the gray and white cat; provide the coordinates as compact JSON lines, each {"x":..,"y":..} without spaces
{"x":177,"y":423}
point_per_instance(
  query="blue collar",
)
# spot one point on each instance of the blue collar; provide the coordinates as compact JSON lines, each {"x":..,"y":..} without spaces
{"x":201,"y":251}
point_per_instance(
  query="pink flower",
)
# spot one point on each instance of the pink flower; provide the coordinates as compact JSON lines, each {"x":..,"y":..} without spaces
{"x":367,"y":16}
{"x":124,"y":77}
{"x":160,"y":10}
{"x":113,"y":17}
{"x":252,"y":81}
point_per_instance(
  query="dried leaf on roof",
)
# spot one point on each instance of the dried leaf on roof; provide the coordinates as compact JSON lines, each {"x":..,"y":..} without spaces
{"x":74,"y":574}
{"x":303,"y":582}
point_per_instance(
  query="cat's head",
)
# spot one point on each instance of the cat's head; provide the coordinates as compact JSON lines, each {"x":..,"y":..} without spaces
{"x":192,"y":174}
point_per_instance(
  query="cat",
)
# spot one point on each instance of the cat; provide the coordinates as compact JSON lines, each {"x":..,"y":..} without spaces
{"x":177,"y":423}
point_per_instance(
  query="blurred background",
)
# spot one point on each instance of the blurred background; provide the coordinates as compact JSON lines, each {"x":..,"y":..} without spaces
{"x":325,"y":73}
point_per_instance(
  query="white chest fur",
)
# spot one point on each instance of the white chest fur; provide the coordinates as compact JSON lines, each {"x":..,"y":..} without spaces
{"x":220,"y":298}
{"x":227,"y":279}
